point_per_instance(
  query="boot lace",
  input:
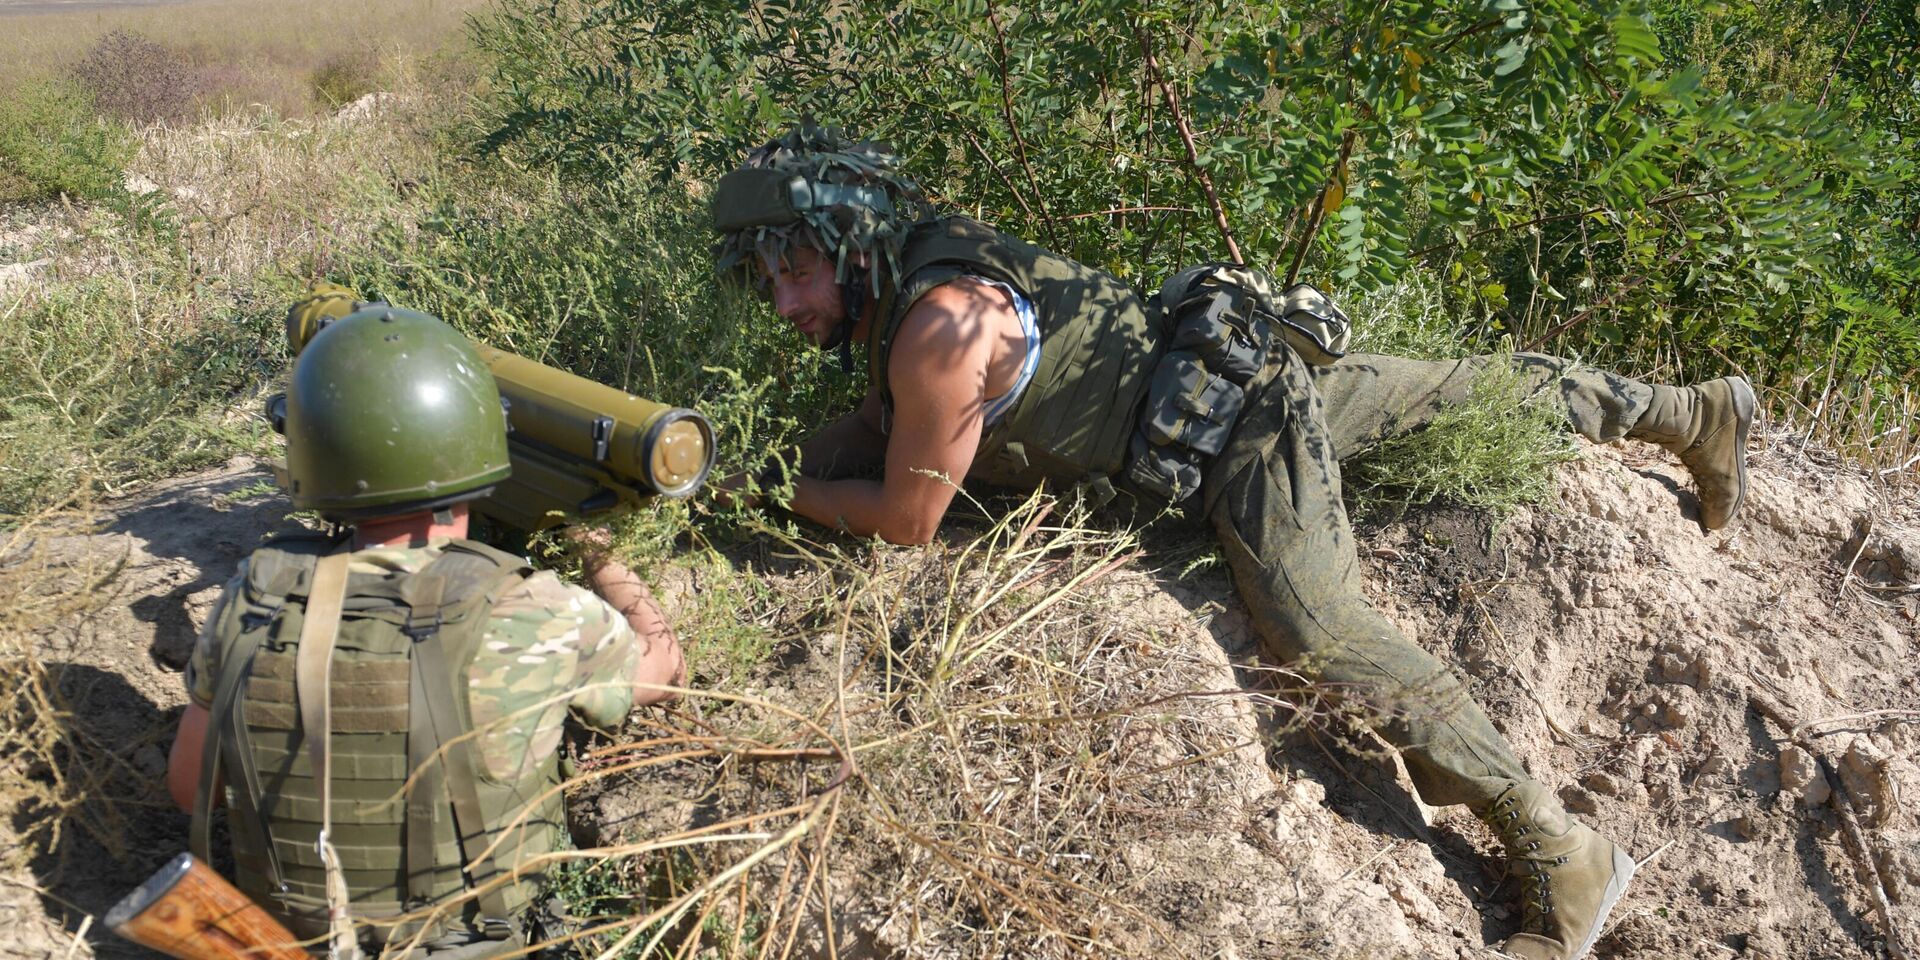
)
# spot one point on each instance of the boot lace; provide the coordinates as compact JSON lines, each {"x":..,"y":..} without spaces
{"x":1536,"y":877}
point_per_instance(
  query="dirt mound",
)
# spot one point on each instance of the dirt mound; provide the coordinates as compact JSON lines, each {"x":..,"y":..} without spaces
{"x":1095,"y":762}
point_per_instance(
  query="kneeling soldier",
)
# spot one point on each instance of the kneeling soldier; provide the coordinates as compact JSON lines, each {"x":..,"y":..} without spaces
{"x":441,"y":670}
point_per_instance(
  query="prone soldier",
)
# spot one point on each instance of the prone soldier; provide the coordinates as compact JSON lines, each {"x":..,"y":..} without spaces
{"x":438,"y":671}
{"x":994,"y":360}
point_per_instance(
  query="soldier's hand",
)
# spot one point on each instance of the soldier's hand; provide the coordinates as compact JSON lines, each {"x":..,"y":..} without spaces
{"x":594,"y":544}
{"x":731,"y":491}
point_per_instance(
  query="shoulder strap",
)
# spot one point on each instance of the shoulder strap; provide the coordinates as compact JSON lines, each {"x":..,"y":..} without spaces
{"x":273,"y":571}
{"x":313,"y":678}
{"x":226,"y":724}
{"x":936,"y":252}
{"x":440,"y":724}
{"x":284,"y":565}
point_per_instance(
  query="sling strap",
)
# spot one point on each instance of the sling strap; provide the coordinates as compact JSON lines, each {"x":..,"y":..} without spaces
{"x":313,"y":670}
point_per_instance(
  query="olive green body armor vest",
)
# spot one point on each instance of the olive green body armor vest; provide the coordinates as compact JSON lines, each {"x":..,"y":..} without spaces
{"x":399,"y":689}
{"x":1098,"y":347}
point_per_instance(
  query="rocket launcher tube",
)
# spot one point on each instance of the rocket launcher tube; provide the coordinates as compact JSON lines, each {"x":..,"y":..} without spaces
{"x":576,"y":447}
{"x":669,"y":450}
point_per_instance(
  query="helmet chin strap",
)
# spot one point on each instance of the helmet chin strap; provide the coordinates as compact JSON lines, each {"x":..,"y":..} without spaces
{"x":853,"y":293}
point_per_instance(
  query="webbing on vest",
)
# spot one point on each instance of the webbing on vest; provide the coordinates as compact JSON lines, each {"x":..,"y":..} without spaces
{"x":433,"y":682}
{"x":226,"y":731}
{"x":406,"y":642}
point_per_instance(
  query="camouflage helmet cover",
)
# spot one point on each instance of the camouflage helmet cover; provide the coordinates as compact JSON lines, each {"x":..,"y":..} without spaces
{"x":816,"y":187}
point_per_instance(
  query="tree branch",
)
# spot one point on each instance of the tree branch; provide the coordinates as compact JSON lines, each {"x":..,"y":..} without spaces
{"x":1480,"y":27}
{"x":1581,"y":317}
{"x":1186,"y":137}
{"x":1842,"y":58}
{"x":1120,"y":210}
{"x":1006,"y":111}
{"x":1320,"y":207}
{"x":1536,"y":221}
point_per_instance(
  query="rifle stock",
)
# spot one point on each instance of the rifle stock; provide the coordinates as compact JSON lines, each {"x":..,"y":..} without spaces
{"x":186,"y":910}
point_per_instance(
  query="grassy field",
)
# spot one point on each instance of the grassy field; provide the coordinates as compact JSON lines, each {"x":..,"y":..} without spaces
{"x":234,"y":54}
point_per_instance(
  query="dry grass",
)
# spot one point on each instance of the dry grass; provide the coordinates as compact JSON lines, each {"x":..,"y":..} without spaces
{"x":52,"y":777}
{"x":148,"y":324}
{"x":245,"y":52}
{"x":969,"y":742}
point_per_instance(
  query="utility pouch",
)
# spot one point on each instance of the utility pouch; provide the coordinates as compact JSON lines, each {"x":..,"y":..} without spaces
{"x":1220,"y":320}
{"x":1315,"y":328}
{"x":1225,"y":326}
{"x":1189,"y":406}
{"x":1169,"y":471}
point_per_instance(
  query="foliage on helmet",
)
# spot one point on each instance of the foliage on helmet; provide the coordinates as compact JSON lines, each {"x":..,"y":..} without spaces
{"x":847,"y":221}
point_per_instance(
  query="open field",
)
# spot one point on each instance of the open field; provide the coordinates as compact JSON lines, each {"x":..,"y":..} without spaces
{"x":22,"y":8}
{"x":238,"y":53}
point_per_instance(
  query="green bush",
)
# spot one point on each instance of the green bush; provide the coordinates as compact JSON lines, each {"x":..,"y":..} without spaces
{"x":613,"y":281}
{"x":87,"y":396}
{"x":1585,"y":177}
{"x":54,"y":142}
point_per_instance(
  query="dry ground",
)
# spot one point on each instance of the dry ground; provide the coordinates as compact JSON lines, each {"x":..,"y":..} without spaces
{"x":1619,"y":648}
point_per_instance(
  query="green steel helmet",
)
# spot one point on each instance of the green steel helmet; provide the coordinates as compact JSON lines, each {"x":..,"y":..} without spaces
{"x":816,"y":187}
{"x":391,"y":411}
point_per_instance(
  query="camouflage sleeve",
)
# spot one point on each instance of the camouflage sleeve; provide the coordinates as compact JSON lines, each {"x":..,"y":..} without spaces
{"x":203,"y":664}
{"x":548,"y":641}
{"x":605,"y":691}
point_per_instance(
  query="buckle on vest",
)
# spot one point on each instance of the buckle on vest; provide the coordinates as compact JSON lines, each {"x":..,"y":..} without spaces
{"x":497,"y":928}
{"x":419,"y":632}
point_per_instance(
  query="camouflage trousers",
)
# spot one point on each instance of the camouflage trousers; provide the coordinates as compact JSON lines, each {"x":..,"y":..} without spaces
{"x":1273,"y":498}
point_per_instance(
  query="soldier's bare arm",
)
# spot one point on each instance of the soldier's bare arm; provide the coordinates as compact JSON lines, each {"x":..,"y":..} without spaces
{"x":938,"y":375}
{"x":660,"y":663}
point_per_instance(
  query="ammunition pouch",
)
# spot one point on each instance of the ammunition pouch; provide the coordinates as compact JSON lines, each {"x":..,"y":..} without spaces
{"x":1219,"y":320}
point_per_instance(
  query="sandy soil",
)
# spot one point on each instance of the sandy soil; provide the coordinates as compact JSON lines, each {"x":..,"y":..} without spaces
{"x":1619,"y":649}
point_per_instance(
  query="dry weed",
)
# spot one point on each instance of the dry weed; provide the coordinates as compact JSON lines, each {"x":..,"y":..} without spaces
{"x":52,"y":776}
{"x":253,"y":195}
{"x":239,"y":55}
{"x":974,"y":737}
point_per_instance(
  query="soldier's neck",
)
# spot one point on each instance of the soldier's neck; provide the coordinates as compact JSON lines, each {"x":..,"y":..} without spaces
{"x":409,"y":530}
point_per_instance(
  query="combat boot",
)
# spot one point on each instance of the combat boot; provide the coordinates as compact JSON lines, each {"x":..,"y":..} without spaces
{"x":1706,"y":426}
{"x":1570,"y":877}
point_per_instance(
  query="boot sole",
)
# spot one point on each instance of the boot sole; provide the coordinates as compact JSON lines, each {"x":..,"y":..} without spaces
{"x":1623,"y":867}
{"x":1743,"y":404}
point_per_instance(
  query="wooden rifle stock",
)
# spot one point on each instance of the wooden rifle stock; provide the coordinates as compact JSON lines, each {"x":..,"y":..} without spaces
{"x":186,"y":910}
